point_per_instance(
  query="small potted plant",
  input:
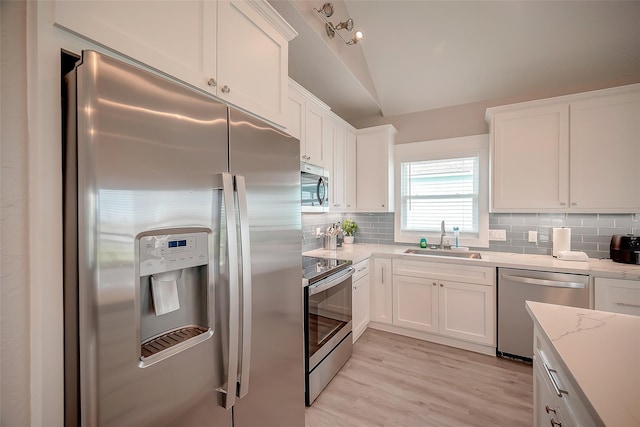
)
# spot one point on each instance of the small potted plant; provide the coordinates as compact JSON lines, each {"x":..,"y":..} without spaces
{"x":349,"y":228}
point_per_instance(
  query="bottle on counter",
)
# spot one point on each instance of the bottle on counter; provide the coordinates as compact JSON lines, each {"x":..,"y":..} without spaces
{"x":456,"y":233}
{"x":423,"y":242}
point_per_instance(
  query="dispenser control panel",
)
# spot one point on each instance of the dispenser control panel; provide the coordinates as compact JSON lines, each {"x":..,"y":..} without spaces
{"x":166,"y":252}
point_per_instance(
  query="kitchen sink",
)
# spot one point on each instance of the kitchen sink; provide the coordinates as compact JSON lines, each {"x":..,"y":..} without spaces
{"x":435,"y":252}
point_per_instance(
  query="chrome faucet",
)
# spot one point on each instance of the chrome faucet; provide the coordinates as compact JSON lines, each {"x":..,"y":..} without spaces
{"x":442,"y":234}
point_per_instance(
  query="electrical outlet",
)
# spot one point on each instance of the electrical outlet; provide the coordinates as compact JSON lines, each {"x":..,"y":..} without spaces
{"x":500,"y":235}
{"x":533,"y":236}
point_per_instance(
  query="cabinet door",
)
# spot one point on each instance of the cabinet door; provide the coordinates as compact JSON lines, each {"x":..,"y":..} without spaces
{"x":467,"y":311}
{"x":605,"y":152}
{"x":315,"y":134}
{"x":361,"y":305}
{"x":415,"y":303}
{"x":139,"y":30}
{"x":547,"y":405}
{"x":338,"y":178}
{"x":530,"y":159}
{"x":350,"y":172}
{"x":252,"y":61}
{"x":382,"y":291}
{"x":295,"y":120}
{"x":618,"y":296}
{"x":374,"y":169}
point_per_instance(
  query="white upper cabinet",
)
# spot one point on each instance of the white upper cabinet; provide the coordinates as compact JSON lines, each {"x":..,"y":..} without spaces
{"x":530,"y":159}
{"x":605,"y":153}
{"x":308,"y":119}
{"x":253,"y":58}
{"x":343,"y":181}
{"x":374,"y":169}
{"x":575,"y":153}
{"x":235,"y":50}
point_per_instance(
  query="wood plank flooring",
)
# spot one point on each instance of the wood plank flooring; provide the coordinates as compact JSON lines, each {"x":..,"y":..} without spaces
{"x":393,"y":380}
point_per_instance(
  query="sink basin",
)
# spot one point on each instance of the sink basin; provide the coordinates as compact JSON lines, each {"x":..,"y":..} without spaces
{"x":452,"y":254}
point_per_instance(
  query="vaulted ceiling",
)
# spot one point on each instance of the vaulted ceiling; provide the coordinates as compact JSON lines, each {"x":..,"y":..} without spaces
{"x":423,"y":55}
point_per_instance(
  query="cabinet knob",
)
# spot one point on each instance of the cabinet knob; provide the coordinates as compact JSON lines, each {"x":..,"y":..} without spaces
{"x":563,"y":204}
{"x":441,"y":285}
{"x":383,"y":206}
{"x":225,"y":89}
{"x":435,"y":284}
{"x":546,"y":408}
{"x":574,"y":204}
{"x":212,"y":82}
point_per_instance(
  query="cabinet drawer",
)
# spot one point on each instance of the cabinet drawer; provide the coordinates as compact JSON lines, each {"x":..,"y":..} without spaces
{"x":574,"y":411}
{"x":445,"y":271}
{"x":617,"y":295}
{"x":361,"y":270}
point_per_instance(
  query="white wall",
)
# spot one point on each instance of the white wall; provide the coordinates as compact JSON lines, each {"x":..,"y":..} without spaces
{"x":14,"y":255}
{"x":468,"y":119}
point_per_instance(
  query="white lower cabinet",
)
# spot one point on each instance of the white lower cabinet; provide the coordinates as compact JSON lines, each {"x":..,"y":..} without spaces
{"x":467,"y":311}
{"x":453,"y":309}
{"x":415,"y":303}
{"x":451,"y":304}
{"x":555,"y":400}
{"x":382,"y":291}
{"x":361,"y":298}
{"x":617,"y":295}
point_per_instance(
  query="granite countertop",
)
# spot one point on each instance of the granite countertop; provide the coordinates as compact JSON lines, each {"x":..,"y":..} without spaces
{"x":595,"y":267}
{"x":601,"y":355}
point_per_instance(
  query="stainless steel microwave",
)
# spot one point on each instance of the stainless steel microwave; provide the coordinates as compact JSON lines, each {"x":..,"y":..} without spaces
{"x":314,"y":182}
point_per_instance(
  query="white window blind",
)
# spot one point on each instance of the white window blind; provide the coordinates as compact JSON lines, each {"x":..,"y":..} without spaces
{"x":437,"y":190}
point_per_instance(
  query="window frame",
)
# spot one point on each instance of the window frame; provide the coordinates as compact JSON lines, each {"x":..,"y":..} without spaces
{"x":468,"y":146}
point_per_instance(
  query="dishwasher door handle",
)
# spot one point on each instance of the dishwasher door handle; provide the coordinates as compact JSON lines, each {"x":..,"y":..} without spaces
{"x":544,"y":282}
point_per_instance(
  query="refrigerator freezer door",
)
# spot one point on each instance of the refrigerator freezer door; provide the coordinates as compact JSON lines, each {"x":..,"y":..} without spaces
{"x":268,"y":160}
{"x":148,"y":152}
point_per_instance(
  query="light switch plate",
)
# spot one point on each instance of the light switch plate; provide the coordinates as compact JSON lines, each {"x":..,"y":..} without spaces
{"x":500,"y":235}
{"x":533,"y":236}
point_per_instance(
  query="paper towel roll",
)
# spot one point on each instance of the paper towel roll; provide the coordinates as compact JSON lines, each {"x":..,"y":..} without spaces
{"x":561,"y":240}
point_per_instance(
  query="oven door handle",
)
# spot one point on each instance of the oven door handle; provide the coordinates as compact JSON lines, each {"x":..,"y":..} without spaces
{"x":335,"y":280}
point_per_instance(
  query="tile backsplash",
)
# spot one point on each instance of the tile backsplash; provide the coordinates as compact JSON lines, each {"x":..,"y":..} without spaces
{"x":590,"y":233}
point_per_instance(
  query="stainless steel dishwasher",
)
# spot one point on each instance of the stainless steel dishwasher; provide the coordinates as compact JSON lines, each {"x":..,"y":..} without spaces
{"x":515,"y":327}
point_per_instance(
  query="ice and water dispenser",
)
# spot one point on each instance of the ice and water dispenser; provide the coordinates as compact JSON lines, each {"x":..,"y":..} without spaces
{"x":174,"y":291}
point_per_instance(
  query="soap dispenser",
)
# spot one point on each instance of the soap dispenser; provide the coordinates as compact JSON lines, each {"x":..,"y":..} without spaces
{"x":423,"y":243}
{"x":456,"y":233}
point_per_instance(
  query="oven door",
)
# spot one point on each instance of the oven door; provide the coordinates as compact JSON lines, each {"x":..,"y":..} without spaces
{"x":328,"y":315}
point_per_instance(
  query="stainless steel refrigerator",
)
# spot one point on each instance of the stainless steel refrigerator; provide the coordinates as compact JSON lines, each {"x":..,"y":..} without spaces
{"x":183,"y":297}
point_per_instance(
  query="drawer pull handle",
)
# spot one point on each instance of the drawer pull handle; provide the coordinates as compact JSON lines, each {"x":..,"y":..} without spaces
{"x":546,"y":408}
{"x":557,"y":389}
{"x":625,"y":304}
{"x":555,"y":423}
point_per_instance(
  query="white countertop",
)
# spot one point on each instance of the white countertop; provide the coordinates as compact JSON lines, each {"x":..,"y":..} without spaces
{"x":601,"y":354}
{"x":596,"y":267}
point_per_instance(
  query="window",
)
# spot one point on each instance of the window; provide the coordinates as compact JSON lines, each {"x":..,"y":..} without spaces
{"x":440,"y":190}
{"x":444,"y":180}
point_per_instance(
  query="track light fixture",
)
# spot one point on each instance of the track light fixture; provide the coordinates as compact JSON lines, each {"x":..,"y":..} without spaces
{"x":326,"y":11}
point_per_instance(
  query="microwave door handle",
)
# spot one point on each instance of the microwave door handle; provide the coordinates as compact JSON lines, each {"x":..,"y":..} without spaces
{"x":229,"y":394}
{"x":246,"y":286}
{"x":321,"y":184}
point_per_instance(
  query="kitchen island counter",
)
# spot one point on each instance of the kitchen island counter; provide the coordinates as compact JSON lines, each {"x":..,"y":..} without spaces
{"x":599,"y":352}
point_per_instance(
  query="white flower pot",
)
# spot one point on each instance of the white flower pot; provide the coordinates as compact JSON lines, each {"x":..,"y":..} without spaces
{"x":348,"y":239}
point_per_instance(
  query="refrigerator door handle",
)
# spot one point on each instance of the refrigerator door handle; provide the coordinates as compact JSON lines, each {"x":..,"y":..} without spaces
{"x":234,"y":293}
{"x":246,"y":286}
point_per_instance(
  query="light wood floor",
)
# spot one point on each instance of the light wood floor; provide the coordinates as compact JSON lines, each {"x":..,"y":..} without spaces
{"x":393,"y":380}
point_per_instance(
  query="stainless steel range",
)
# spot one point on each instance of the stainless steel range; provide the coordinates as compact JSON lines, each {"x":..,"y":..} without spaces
{"x":327,"y":322}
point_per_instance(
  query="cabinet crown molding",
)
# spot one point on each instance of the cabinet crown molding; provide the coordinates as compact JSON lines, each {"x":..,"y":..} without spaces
{"x":273,"y":17}
{"x":564,"y":99}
